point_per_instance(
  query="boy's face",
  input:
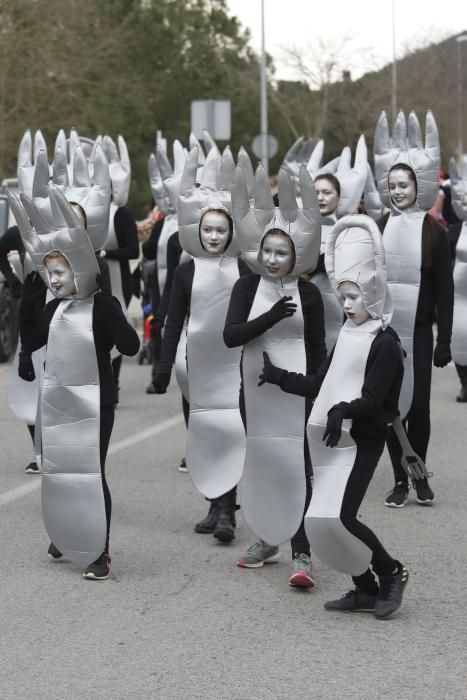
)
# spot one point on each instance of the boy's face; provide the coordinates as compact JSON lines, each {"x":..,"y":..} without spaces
{"x":354,"y":308}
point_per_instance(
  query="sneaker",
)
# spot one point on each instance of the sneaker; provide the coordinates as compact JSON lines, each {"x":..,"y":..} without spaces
{"x":150,"y":389}
{"x":208,"y":524}
{"x":462,"y":395}
{"x":397,"y":498}
{"x":99,"y":569}
{"x":301,"y":572}
{"x":32,"y":468}
{"x":391,"y":589}
{"x":182,"y":466}
{"x":353,"y":601}
{"x":54,"y":552}
{"x":258,"y":554}
{"x":425,"y":495}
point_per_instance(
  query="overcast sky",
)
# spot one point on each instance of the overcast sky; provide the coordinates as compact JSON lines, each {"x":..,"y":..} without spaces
{"x":299,"y":22}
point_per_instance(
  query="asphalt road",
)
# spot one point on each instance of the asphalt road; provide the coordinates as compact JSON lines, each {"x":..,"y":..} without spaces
{"x":178,"y":619}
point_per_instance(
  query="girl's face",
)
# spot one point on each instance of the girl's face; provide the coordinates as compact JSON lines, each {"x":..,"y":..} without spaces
{"x":354,"y":308}
{"x":402,"y":189}
{"x":276,"y":256}
{"x":61,"y":277}
{"x":214,"y":233}
{"x":328,"y":199}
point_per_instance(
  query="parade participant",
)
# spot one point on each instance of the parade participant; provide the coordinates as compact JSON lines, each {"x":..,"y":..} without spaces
{"x":356,"y":391}
{"x":23,"y":380}
{"x":276,"y":311}
{"x":76,"y":406}
{"x":200,"y":292}
{"x":121,"y":244}
{"x":459,"y":329}
{"x":419,"y":278}
{"x":339,"y":188}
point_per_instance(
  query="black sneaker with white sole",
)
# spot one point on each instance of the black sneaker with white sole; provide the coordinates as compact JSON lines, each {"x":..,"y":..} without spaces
{"x":99,"y":570}
{"x":54,"y":552}
{"x":398,"y":497}
{"x":425,"y":495}
{"x":182,"y":466}
{"x":391,"y":590}
{"x":32,"y":468}
{"x":353,"y":601}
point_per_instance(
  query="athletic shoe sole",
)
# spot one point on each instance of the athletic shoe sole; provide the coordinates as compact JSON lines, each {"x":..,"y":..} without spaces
{"x":395,"y":505}
{"x":93,"y":577}
{"x":257,"y":565}
{"x":32,"y":471}
{"x":426,"y":502}
{"x":183,"y":470}
{"x":301,"y":580}
{"x":349,"y":610}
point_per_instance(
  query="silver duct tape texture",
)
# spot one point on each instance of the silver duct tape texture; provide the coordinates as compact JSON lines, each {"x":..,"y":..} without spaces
{"x":272,"y":489}
{"x":215,"y":449}
{"x":403,"y":247}
{"x":328,"y":537}
{"x":72,"y":493}
{"x":459,"y":326}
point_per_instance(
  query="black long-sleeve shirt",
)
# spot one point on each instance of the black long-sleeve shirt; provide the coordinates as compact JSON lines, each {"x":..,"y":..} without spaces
{"x":11,"y":240}
{"x":378,"y":404}
{"x":179,"y":309}
{"x":239,"y":331}
{"x":128,"y":248}
{"x":436,"y":295}
{"x":109,"y":326}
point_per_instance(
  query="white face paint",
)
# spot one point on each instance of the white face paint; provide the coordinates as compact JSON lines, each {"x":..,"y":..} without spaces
{"x":214,"y":233}
{"x":328,"y":199}
{"x":402,"y":189}
{"x":354,"y":308}
{"x":276,"y":256}
{"x":61,"y":277}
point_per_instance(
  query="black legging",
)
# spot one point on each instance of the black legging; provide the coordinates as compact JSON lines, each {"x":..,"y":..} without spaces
{"x":116,"y":367}
{"x":106,"y":425}
{"x":462,"y":374}
{"x":417,"y":422}
{"x":186,"y":410}
{"x":357,"y":485}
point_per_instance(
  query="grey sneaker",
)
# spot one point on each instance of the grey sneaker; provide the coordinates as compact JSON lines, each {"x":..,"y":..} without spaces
{"x":258,"y":554}
{"x":300,"y":576}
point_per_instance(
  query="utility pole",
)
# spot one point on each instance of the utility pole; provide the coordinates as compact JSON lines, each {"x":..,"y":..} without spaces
{"x":263,"y":97}
{"x":394,"y":65}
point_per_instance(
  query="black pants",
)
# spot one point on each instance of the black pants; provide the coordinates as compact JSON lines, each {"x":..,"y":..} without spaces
{"x":106,"y":426}
{"x":116,"y":367}
{"x":417,"y":421}
{"x":357,"y":485}
{"x":186,"y":410}
{"x":462,"y":374}
{"x":299,"y":542}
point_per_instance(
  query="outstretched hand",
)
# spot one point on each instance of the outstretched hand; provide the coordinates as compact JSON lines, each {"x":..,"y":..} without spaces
{"x":270,"y":374}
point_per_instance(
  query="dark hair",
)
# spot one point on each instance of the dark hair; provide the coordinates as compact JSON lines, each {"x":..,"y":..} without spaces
{"x":407,"y":169}
{"x":332,"y":179}
{"x":229,"y":219}
{"x":283,"y":234}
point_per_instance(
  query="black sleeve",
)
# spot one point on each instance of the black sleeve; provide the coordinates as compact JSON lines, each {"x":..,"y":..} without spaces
{"x":174,"y":252}
{"x":104,"y":275}
{"x":238,"y":330}
{"x":444,"y":284}
{"x":383,"y":365}
{"x":11,"y":240}
{"x":178,"y":310}
{"x":34,"y":324}
{"x":127,"y":235}
{"x":108,"y":311}
{"x":314,"y":328}
{"x":149,"y":247}
{"x":307,"y":385}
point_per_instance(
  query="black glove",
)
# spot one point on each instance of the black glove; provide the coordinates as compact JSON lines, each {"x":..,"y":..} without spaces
{"x":34,"y":290}
{"x":25,"y":366}
{"x":16,"y":288}
{"x":281,"y":309}
{"x":270,"y":374}
{"x":442,"y":355}
{"x":334,"y":426}
{"x":160,"y":382}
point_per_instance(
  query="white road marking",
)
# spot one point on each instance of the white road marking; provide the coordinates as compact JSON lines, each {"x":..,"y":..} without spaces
{"x":26,"y":489}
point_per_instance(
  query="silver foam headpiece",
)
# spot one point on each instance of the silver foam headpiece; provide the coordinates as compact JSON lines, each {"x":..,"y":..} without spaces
{"x":355,"y":253}
{"x":406,"y":146}
{"x":459,"y":187}
{"x":252,"y":223}
{"x":65,"y":235}
{"x":171,"y":175}
{"x":120,"y":169}
{"x":28,"y":153}
{"x":155,"y":180}
{"x":214,"y":192}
